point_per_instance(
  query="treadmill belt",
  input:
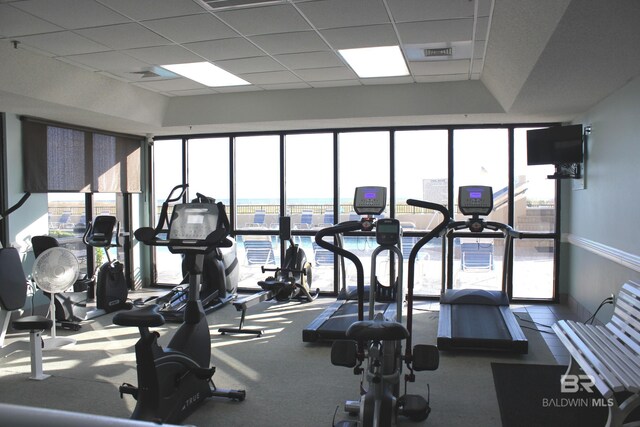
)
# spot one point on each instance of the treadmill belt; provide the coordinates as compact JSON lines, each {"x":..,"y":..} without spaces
{"x":478,"y":322}
{"x":337,"y":324}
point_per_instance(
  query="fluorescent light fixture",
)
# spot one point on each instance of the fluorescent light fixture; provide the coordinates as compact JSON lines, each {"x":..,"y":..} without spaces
{"x":206,"y":73}
{"x":384,"y":61}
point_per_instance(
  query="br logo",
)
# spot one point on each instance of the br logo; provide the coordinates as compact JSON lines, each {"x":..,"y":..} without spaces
{"x":574,"y":383}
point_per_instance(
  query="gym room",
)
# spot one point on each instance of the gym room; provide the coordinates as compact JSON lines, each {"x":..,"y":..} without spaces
{"x":319,"y":212}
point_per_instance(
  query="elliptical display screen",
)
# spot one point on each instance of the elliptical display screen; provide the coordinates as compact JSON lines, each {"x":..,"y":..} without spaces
{"x":193,"y":221}
{"x":370,"y":200}
{"x":475,"y":200}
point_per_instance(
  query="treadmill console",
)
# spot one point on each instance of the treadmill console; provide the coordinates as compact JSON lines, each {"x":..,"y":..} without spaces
{"x":475,"y":200}
{"x":387,"y":231}
{"x":370,"y":200}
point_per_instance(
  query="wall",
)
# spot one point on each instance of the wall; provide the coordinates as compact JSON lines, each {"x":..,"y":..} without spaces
{"x":601,"y":239}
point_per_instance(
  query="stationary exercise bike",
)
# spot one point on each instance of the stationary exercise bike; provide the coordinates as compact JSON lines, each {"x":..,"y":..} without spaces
{"x":377,"y":340}
{"x":174,"y":381}
{"x":292,"y":280}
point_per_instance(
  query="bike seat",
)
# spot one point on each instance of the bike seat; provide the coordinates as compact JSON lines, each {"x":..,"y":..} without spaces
{"x":142,"y":317}
{"x":377,"y":330}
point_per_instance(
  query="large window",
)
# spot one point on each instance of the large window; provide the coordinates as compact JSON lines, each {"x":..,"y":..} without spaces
{"x":535,"y":212}
{"x":480,"y":157}
{"x":68,"y":222}
{"x":421,"y":172}
{"x":309,"y":198}
{"x":246,"y":172}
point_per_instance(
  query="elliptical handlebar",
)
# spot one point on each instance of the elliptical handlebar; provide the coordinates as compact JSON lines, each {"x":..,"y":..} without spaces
{"x":435,"y":232}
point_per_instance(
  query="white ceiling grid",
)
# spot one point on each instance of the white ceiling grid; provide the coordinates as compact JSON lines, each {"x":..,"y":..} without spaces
{"x":288,"y":45}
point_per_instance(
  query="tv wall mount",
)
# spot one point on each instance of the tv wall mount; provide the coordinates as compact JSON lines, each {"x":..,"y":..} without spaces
{"x":570,"y":170}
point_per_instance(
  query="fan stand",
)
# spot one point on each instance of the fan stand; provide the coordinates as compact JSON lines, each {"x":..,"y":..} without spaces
{"x":53,"y":342}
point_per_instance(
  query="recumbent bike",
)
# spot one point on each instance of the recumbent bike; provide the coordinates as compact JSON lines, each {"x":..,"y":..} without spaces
{"x":174,"y":381}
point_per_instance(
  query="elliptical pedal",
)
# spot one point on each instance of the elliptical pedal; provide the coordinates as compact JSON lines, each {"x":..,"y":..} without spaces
{"x":414,"y":407}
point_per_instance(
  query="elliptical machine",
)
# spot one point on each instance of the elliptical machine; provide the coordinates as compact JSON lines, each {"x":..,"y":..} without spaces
{"x":174,"y":381}
{"x":292,"y":280}
{"x":377,"y":340}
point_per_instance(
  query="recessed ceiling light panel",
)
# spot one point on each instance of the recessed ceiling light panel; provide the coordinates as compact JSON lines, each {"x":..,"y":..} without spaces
{"x":206,"y":73}
{"x":383,"y":61}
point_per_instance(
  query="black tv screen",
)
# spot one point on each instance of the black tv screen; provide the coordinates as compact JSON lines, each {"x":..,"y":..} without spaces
{"x":554,"y":145}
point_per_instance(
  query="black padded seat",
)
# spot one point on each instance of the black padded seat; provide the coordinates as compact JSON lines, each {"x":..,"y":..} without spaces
{"x":146,"y":316}
{"x":377,"y":330}
{"x":32,"y":323}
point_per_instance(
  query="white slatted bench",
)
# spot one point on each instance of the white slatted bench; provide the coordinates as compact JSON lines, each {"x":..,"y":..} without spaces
{"x":609,"y":354}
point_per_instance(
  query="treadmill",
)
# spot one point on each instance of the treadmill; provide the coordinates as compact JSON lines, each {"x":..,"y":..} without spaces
{"x":333,"y":322}
{"x":478,"y":319}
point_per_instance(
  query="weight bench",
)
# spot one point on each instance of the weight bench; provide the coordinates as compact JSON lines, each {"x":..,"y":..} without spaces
{"x":609,"y":354}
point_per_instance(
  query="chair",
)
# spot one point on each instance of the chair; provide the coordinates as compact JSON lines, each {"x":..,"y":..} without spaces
{"x":259,"y":251}
{"x":258,"y":219}
{"x":327,"y":220}
{"x":354,"y":216}
{"x":476,"y":255}
{"x":322,"y":256}
{"x":63,"y":222}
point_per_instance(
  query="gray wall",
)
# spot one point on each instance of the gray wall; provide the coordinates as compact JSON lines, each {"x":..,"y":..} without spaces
{"x":601,"y":237}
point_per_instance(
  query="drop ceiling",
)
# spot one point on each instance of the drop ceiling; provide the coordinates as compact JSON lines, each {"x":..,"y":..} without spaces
{"x":288,"y":49}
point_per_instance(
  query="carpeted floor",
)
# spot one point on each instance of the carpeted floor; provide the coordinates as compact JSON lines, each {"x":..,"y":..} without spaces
{"x":288,"y":382}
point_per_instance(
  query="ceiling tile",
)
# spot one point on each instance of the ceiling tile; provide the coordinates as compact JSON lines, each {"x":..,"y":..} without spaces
{"x":62,"y":43}
{"x":427,"y":10}
{"x":163,"y":55}
{"x":367,"y":36}
{"x":425,"y":68}
{"x":344,"y":13}
{"x":231,"y":89}
{"x":482,"y":26}
{"x":452,"y":30}
{"x":192,"y":92}
{"x":271,"y":77}
{"x":72,"y":14}
{"x":250,"y":65}
{"x":265,"y":20}
{"x":275,"y":44}
{"x":109,"y":61}
{"x":14,"y":22}
{"x":193,"y":28}
{"x":124,"y":36}
{"x":300,"y":61}
{"x":153,"y":9}
{"x":216,"y":50}
{"x":332,"y":73}
{"x":442,"y":78}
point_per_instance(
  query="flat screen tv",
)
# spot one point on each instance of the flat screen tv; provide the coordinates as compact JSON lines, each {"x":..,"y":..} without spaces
{"x":555,"y":145}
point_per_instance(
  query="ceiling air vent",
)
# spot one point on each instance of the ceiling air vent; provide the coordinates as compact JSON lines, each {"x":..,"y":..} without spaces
{"x":218,"y":5}
{"x":443,"y":51}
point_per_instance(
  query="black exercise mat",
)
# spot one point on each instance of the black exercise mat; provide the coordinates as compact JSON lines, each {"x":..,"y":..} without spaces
{"x":530,"y":395}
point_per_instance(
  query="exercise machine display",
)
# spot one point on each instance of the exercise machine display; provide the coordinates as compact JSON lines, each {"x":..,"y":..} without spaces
{"x":478,"y":318}
{"x":219,"y":277}
{"x":107,"y":290}
{"x":333,"y":322}
{"x":174,"y":381}
{"x":379,"y":341}
{"x":292,"y":280}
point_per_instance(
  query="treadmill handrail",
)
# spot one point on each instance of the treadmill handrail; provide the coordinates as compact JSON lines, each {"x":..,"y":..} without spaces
{"x":342,"y":228}
{"x":435,"y":232}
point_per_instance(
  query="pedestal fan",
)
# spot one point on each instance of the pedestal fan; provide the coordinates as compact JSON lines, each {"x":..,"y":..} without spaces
{"x":55,"y":270}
